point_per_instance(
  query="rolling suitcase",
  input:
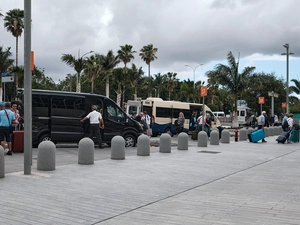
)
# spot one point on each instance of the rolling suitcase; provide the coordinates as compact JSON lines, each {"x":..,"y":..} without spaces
{"x":283,"y":137}
{"x":295,"y":136}
{"x":18,"y":141}
{"x":256,"y":136}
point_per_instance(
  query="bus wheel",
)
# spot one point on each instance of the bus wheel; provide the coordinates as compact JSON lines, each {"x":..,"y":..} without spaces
{"x":168,"y":131}
{"x":44,"y":137}
{"x":130,"y":140}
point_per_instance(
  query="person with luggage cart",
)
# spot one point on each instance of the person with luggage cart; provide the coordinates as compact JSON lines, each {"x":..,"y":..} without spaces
{"x":261,"y":122}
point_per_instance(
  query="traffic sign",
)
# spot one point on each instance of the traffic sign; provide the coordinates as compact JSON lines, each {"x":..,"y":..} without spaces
{"x":203,"y":91}
{"x":283,"y":105}
{"x":261,"y":100}
{"x":7,"y":78}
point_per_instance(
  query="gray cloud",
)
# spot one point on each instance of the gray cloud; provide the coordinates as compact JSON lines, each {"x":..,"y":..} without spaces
{"x":185,"y":32}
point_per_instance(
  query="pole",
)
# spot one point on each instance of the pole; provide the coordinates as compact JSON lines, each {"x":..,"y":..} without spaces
{"x":272,"y":103}
{"x":27,"y":89}
{"x":203,"y":114}
{"x":287,"y":78}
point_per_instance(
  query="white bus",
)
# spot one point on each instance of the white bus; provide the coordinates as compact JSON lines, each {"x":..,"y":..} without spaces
{"x":164,"y":113}
{"x":244,"y":113}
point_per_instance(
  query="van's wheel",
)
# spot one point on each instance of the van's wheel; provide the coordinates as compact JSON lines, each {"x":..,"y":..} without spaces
{"x":168,"y":131}
{"x":44,"y":137}
{"x":130,"y":140}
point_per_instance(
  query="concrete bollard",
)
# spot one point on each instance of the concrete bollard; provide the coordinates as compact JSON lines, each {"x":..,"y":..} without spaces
{"x":86,"y":151}
{"x":249,"y":131}
{"x":225,"y":136}
{"x":183,"y":141}
{"x":46,"y":156}
{"x":165,"y":143}
{"x":266,"y":130}
{"x":143,"y":145}
{"x":280,"y":130}
{"x":277,"y":130}
{"x":243,"y":134}
{"x":214,"y":137}
{"x":118,"y":148}
{"x":202,"y":139}
{"x":2,"y":164}
{"x":271,"y":131}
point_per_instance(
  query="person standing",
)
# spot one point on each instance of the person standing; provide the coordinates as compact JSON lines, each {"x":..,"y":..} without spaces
{"x":276,"y":121}
{"x":7,"y":118}
{"x":207,"y":125}
{"x":14,"y":106}
{"x":200,"y":121}
{"x":95,"y":118}
{"x":193,"y":121}
{"x":261,"y":122}
{"x":147,"y":121}
{"x":180,"y":122}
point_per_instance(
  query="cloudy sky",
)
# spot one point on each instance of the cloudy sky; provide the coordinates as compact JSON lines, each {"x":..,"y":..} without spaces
{"x":189,"y":32}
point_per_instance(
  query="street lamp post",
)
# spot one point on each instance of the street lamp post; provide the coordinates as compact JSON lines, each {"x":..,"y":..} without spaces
{"x":78,"y":88}
{"x":194,"y":69}
{"x":287,"y":74}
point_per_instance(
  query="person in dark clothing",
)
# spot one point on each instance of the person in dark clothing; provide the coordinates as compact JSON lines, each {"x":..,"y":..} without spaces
{"x":139,"y":117}
{"x":193,"y":121}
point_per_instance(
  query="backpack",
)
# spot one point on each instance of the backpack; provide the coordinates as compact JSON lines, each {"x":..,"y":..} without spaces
{"x":285,"y":124}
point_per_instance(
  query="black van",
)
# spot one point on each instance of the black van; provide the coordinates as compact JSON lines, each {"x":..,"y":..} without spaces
{"x":56,"y":116}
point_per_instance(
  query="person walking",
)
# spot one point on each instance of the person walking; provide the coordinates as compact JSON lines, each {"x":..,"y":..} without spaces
{"x":95,"y":118}
{"x":284,"y":125}
{"x":7,"y":119}
{"x":261,"y":122}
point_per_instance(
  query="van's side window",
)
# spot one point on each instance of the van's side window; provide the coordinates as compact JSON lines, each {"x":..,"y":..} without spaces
{"x":67,"y":106}
{"x":40,"y":105}
{"x":115,"y":114}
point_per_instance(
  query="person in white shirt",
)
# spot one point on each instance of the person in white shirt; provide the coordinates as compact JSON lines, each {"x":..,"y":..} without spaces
{"x":200,"y":121}
{"x":261,"y":122}
{"x":290,"y":121}
{"x":95,"y":117}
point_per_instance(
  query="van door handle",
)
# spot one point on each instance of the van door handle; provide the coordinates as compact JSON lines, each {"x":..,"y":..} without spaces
{"x":43,"y":118}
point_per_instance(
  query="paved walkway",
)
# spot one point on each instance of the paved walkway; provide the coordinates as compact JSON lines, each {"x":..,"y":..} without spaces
{"x":236,"y":183}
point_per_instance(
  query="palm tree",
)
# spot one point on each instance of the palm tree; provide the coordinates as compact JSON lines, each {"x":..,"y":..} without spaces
{"x":126,"y":54}
{"x":78,"y":64}
{"x":295,"y":88}
{"x":5,"y":64}
{"x":108,"y":62}
{"x":171,"y":82}
{"x":229,"y":77}
{"x":134,"y":76}
{"x":13,"y":21}
{"x":147,"y":54}
{"x":93,"y":69}
{"x":149,"y":85}
{"x":159,"y":83}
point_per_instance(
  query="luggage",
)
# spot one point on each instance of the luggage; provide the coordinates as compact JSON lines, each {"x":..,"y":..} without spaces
{"x":194,"y":135}
{"x":18,"y":141}
{"x":295,"y":136}
{"x":283,"y":137}
{"x":256,"y":136}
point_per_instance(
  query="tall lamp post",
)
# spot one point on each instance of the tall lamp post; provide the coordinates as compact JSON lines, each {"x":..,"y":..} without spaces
{"x":287,"y":74}
{"x":194,"y":69}
{"x":80,"y":59}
